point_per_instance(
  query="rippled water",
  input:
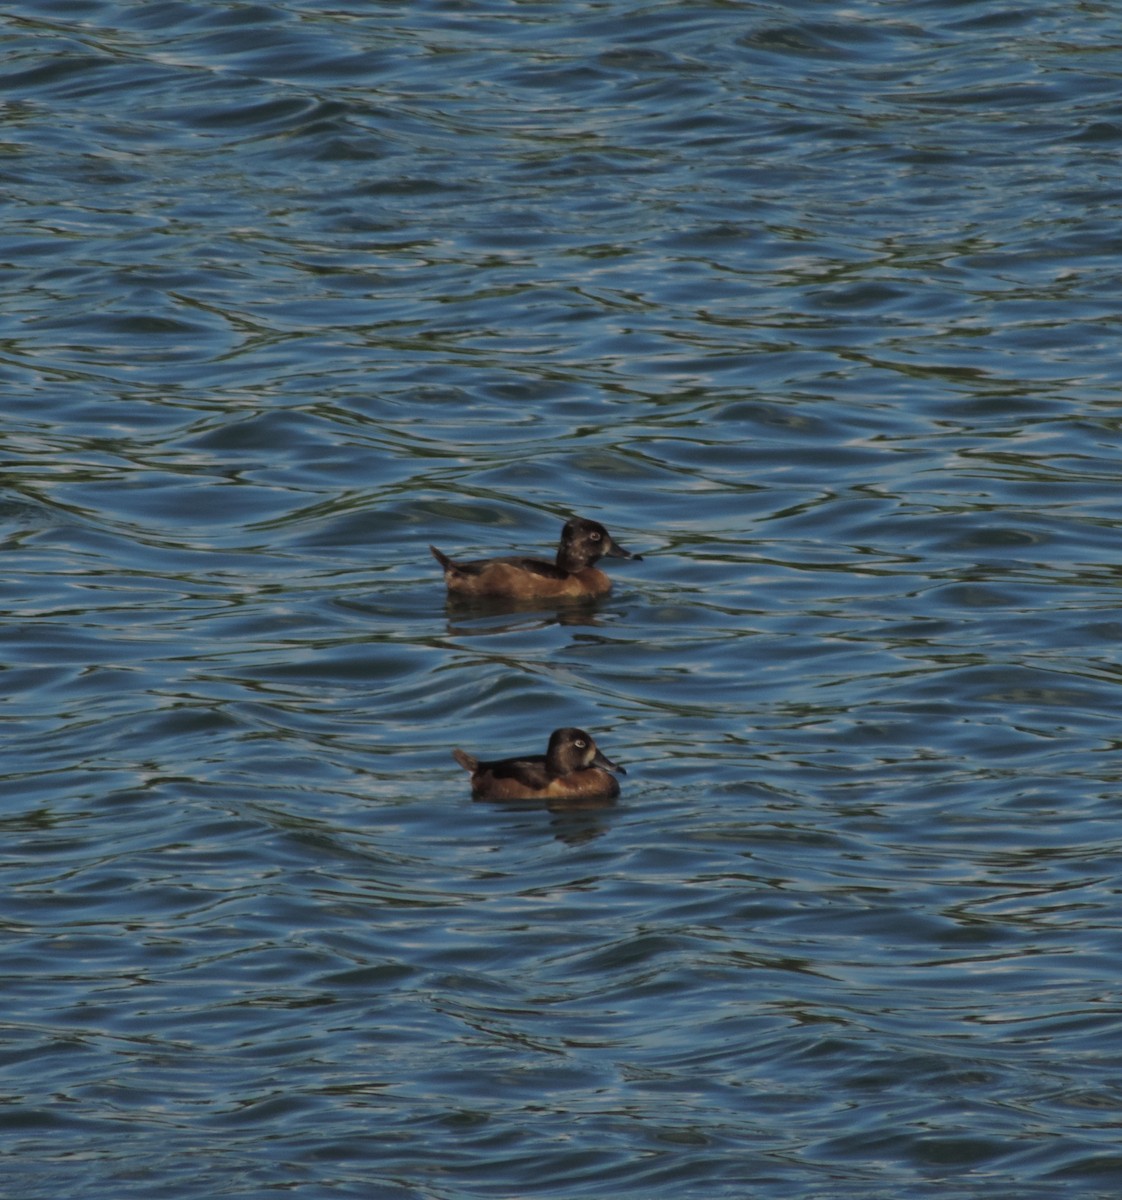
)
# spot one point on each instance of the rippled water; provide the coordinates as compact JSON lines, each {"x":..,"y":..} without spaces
{"x":815,"y":306}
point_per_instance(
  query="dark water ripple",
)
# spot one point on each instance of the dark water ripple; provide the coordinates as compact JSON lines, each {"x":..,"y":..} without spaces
{"x":818,"y":310}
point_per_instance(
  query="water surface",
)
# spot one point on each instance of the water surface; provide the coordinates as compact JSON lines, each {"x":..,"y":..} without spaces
{"x":817,"y":308}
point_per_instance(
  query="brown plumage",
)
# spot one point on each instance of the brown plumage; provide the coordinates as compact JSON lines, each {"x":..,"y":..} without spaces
{"x":572,"y":768}
{"x":572,"y":576}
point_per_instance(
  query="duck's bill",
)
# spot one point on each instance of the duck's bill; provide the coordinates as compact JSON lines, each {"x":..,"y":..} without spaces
{"x":615,"y":550}
{"x":602,"y":760}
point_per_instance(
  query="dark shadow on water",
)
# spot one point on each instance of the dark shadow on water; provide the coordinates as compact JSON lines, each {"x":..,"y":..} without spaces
{"x":573,"y":821}
{"x":508,"y":616}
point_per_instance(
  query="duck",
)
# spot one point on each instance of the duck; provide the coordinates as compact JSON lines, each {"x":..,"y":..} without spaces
{"x":572,"y":576}
{"x":572,"y":768}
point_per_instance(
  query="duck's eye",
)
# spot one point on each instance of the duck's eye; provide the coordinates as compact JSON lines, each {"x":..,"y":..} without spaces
{"x":580,"y":743}
{"x":594,"y":536}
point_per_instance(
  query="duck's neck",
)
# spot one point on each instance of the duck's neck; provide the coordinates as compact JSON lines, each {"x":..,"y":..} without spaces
{"x":570,"y":562}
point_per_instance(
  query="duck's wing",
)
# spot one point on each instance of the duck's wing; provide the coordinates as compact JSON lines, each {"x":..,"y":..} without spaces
{"x":529,"y":770}
{"x":537,"y":566}
{"x":482,"y":566}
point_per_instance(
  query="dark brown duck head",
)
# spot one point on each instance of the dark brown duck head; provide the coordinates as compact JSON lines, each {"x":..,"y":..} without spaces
{"x":584,"y":543}
{"x":574,"y":750}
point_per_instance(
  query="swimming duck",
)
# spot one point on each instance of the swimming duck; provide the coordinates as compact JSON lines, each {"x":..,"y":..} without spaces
{"x":573,"y":576}
{"x":573,"y":768}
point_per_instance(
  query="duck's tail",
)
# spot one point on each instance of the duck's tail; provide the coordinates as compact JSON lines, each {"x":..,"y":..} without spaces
{"x":468,"y":761}
{"x":443,"y":559}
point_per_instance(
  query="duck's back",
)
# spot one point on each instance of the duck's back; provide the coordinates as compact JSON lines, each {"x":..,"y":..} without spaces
{"x":519,"y":577}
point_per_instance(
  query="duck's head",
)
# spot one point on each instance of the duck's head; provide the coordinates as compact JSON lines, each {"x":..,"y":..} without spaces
{"x":574,"y":750}
{"x":584,"y":543}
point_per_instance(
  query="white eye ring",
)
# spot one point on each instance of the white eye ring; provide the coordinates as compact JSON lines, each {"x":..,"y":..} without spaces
{"x":579,"y":743}
{"x":594,"y":536}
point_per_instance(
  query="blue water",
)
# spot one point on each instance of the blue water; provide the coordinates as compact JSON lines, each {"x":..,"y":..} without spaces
{"x":818,"y":308}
